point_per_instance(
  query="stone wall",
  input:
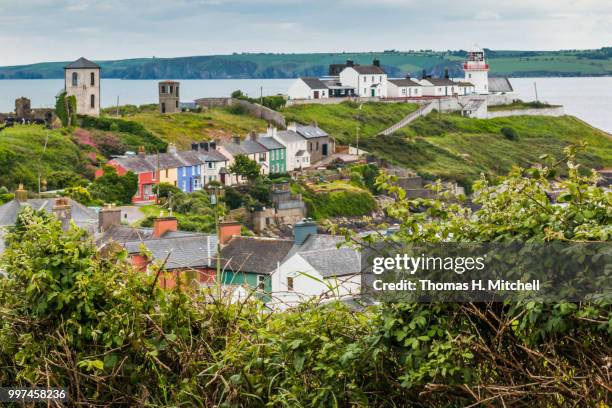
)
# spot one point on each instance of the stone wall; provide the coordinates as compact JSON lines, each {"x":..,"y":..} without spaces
{"x":252,"y":109}
{"x":556,"y":111}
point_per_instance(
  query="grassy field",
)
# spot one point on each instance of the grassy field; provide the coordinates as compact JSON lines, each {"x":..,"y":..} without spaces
{"x":521,"y":105}
{"x":184,"y":128}
{"x":342,"y":120}
{"x":458,"y":148}
{"x":21,"y":154}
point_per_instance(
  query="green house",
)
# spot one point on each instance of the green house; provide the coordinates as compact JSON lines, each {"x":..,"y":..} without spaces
{"x":277,"y":157}
{"x":250,"y":262}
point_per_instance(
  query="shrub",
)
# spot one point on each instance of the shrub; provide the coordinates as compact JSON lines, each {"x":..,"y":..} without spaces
{"x":113,"y":188}
{"x":509,"y":133}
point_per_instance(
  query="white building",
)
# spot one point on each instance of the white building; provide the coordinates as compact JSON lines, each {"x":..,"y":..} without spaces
{"x":437,"y":87}
{"x":404,"y":88}
{"x":465,"y":88}
{"x":308,"y":88}
{"x":368,"y":80}
{"x":316,"y":268}
{"x":477,"y":70}
{"x":297,"y":156}
{"x":82,"y":79}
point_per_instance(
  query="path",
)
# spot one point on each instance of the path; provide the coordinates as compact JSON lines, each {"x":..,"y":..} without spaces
{"x":422,"y":111}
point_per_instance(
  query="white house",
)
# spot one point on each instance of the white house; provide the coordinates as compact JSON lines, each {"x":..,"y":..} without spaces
{"x":248,"y":147}
{"x":477,"y":70}
{"x":297,"y":148}
{"x":308,"y":88}
{"x":82,"y":80}
{"x":316,"y":268}
{"x":465,"y":88}
{"x":403,"y":88}
{"x":368,"y":80}
{"x":437,"y":87}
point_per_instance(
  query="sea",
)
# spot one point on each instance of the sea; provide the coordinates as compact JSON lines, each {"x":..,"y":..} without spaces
{"x":588,"y":98}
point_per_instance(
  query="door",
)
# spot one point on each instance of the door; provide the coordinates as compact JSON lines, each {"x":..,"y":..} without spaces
{"x":316,"y":94}
{"x":373,"y":92}
{"x":163,"y":107}
{"x":324,"y":149}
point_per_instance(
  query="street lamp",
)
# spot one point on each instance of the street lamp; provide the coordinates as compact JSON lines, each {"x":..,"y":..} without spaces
{"x":215,"y":192}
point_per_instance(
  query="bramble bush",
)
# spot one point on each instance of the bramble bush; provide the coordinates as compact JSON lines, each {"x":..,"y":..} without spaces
{"x":72,"y":317}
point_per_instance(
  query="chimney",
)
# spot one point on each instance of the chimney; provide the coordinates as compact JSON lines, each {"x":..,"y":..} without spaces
{"x":292,"y":126}
{"x":253,"y":136}
{"x":161,"y":225}
{"x":227,"y":230}
{"x":270,"y":131}
{"x":141,"y":151}
{"x":204,"y":146}
{"x":424,"y":74}
{"x":236,"y":139}
{"x":21,"y":194}
{"x":303,"y":229}
{"x":446,"y":75}
{"x":171,"y":148}
{"x":63,"y":211}
{"x":213,"y":145}
{"x":376,"y":62}
{"x":195,"y":146}
{"x":108,"y":216}
{"x":350,"y":63}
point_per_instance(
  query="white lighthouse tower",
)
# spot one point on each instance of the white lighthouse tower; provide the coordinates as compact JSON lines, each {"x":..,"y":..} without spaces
{"x":477,"y":70}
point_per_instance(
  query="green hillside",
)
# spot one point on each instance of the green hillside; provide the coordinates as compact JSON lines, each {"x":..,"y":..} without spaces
{"x":396,"y":63}
{"x":455,"y":147}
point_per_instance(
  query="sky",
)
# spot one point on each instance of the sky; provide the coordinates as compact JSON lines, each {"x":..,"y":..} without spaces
{"x":62,"y":30}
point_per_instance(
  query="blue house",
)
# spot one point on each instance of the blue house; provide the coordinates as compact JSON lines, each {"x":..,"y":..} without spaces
{"x":189,"y":175}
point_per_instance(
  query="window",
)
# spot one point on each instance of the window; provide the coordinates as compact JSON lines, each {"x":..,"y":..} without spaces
{"x":75,"y":79}
{"x":373,"y":78}
{"x":262,"y":157}
{"x":177,"y":104}
{"x":310,"y":146}
{"x":177,"y":93}
{"x":211,"y":165}
{"x":469,"y":75}
{"x":289,"y":283}
{"x":92,"y":101}
{"x":166,"y":173}
{"x":403,"y":91}
{"x":261,"y":282}
{"x":92,"y":79}
{"x":148,"y":190}
{"x":171,"y":89}
{"x":380,"y":79}
{"x":163,"y":89}
{"x":317,"y":146}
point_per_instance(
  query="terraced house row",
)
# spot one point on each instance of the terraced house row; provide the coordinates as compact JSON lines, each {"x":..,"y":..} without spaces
{"x":276,"y":151}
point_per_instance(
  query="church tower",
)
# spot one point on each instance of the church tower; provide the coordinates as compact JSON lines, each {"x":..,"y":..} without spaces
{"x":477,"y":70}
{"x":82,"y":79}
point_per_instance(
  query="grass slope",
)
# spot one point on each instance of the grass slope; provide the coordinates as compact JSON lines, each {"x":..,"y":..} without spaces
{"x":341,"y":121}
{"x":21,"y":154}
{"x":184,"y":128}
{"x":458,"y":148}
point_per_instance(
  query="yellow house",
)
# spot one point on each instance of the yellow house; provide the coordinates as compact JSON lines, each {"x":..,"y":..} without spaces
{"x":168,"y":176}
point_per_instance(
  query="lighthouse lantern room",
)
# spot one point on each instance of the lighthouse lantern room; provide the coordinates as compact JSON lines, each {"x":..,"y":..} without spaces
{"x":477,"y":70}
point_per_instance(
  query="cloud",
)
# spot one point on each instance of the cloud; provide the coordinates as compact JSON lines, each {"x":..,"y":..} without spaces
{"x":112,"y":29}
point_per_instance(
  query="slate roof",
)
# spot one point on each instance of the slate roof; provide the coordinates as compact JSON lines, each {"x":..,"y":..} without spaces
{"x":245,"y":147}
{"x":500,"y":85}
{"x":81,"y":215}
{"x":166,"y":161}
{"x":322,"y":253}
{"x":439,"y":81}
{"x":269,"y":143}
{"x":404,"y":82}
{"x":465,"y":84}
{"x":310,"y":132}
{"x":136,"y":164}
{"x":213,"y":156}
{"x":369,"y":70}
{"x":254,"y":254}
{"x":186,"y":249}
{"x":289,"y":136}
{"x":82,"y":63}
{"x":314,"y":83}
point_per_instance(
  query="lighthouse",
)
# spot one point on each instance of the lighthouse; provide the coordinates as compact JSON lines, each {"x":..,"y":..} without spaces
{"x":477,"y":70}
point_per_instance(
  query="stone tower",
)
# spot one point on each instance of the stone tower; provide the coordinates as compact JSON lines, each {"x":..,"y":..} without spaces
{"x":23,"y":108}
{"x":477,"y":70}
{"x":169,"y":97}
{"x":82,"y":79}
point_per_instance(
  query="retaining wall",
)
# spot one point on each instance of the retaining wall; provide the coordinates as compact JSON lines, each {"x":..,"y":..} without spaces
{"x":555,"y":112}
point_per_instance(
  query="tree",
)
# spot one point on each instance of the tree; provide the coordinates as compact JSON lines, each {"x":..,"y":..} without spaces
{"x":111,"y":187}
{"x":237,"y":94}
{"x":65,"y":109}
{"x":245,"y":167}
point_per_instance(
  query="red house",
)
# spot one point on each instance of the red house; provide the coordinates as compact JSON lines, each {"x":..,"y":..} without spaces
{"x":140,"y":166}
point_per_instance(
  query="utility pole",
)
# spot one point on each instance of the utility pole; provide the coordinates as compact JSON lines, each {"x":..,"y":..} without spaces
{"x":357,"y":138}
{"x":117,"y":105}
{"x":261,"y":95}
{"x":40,"y":161}
{"x":535,"y":87}
{"x":214,"y":200}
